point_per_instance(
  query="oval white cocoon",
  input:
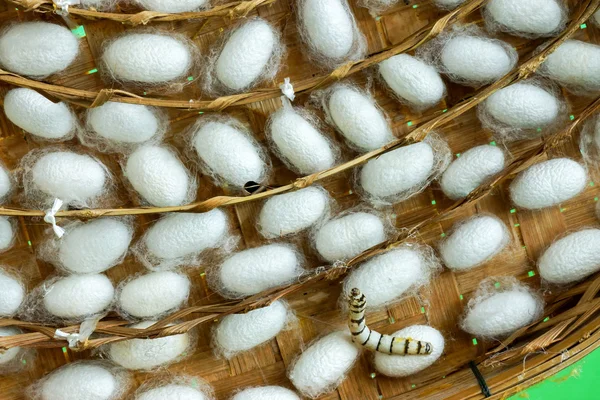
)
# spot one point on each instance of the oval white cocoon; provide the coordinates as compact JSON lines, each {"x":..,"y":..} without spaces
{"x":173,"y":391}
{"x":173,"y":6}
{"x":473,"y":242}
{"x":266,"y":392}
{"x":348,"y":236}
{"x":241,"y":332}
{"x":8,"y":355}
{"x":323,"y":365}
{"x":412,"y":80}
{"x":82,"y":381}
{"x":532,"y":17}
{"x":246,"y":54}
{"x":301,"y":145}
{"x":293,"y":212}
{"x":329,"y":27}
{"x":78,"y":296}
{"x":158,"y":176}
{"x":548,"y":183}
{"x":12,"y":294}
{"x":470,"y":170}
{"x":69,"y":176}
{"x":124,"y":123}
{"x":43,"y":48}
{"x":399,"y":366}
{"x":147,"y":58}
{"x":501,"y":313}
{"x":475,"y":60}
{"x":37,"y":115}
{"x":145,"y":354}
{"x":571,"y":258}
{"x":5,"y":182}
{"x":6,"y":234}
{"x":251,"y":271}
{"x":398,"y":172}
{"x":95,"y":246}
{"x":575,"y":63}
{"x":358,"y":119}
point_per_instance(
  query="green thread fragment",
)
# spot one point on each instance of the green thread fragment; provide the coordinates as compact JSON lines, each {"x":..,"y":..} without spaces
{"x":531,"y":273}
{"x":474,"y":342}
{"x":79,"y":31}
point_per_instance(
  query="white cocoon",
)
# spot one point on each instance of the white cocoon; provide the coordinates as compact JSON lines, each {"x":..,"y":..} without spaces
{"x":358,"y":119}
{"x":81,"y":381}
{"x":399,"y":366}
{"x":229,"y":153}
{"x":329,"y":27}
{"x":241,"y":332}
{"x":69,"y":176}
{"x":173,"y":391}
{"x":302,"y":146}
{"x":415,"y":82}
{"x":323,"y":366}
{"x":523,"y":105}
{"x":5,"y":183}
{"x":501,"y":314}
{"x":293,"y":212}
{"x":95,"y":246}
{"x":37,"y":49}
{"x":398,"y":172}
{"x":173,"y":6}
{"x":153,"y":294}
{"x":548,"y":183}
{"x":8,"y":355}
{"x":475,"y":60}
{"x":470,"y":170}
{"x":123,"y":123}
{"x":266,"y":392}
{"x":12,"y":294}
{"x":251,"y":271}
{"x":348,"y":236}
{"x":37,"y":115}
{"x":473,"y":242}
{"x":575,"y":63}
{"x":531,"y":17}
{"x":246,"y":54}
{"x":158,"y":176}
{"x":147,"y":58}
{"x":388,"y":276}
{"x":78,"y":296}
{"x":145,"y":354}
{"x":571,"y":258}
{"x":6,"y":234}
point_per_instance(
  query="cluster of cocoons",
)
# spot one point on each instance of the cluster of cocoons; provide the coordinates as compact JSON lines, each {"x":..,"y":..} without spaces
{"x":12,"y":293}
{"x":473,"y":168}
{"x":173,"y":6}
{"x":324,"y":364}
{"x":290,"y":213}
{"x":242,"y":332}
{"x":43,"y":49}
{"x":548,"y":183}
{"x":266,"y":392}
{"x":5,"y":183}
{"x":9,"y":359}
{"x":575,"y":65}
{"x":177,"y":390}
{"x":529,"y":18}
{"x":38,"y":116}
{"x":7,"y":235}
{"x":473,"y":242}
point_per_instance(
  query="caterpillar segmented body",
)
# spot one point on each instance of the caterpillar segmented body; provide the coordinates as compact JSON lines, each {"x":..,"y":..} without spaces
{"x":375,"y":341}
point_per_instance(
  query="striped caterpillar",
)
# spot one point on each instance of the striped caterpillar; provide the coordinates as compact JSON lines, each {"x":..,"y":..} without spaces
{"x":375,"y":341}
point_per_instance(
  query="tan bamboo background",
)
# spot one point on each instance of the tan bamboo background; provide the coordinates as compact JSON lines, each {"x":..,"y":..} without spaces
{"x":572,"y":328}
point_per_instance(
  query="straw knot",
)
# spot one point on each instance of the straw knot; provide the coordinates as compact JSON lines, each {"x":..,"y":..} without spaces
{"x":306,"y":181}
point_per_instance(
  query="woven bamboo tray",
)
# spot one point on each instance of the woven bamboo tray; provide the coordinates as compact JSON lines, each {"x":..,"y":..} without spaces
{"x":569,"y":329}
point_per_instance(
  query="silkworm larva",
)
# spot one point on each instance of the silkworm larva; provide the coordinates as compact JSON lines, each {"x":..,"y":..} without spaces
{"x":375,"y":341}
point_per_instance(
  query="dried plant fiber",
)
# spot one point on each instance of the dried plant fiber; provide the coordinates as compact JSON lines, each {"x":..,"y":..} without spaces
{"x":266,"y":392}
{"x":8,"y":356}
{"x":79,"y":296}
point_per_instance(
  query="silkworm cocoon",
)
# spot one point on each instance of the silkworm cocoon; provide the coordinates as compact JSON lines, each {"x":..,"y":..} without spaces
{"x":574,"y":64}
{"x":5,"y":183}
{"x":6,"y":234}
{"x":299,"y":144}
{"x":251,"y":271}
{"x":173,"y":391}
{"x":474,"y":167}
{"x":153,"y":294}
{"x":266,"y":392}
{"x":571,"y":258}
{"x":37,"y":115}
{"x":548,"y":183}
{"x":246,"y":55}
{"x":43,"y":49}
{"x":173,"y":6}
{"x":473,"y":242}
{"x":358,"y":119}
{"x":323,"y":365}
{"x":448,"y":4}
{"x":12,"y":294}
{"x":158,"y":176}
{"x":78,"y":296}
{"x":146,"y":354}
{"x":147,"y":58}
{"x":293,"y":212}
{"x":229,"y":153}
{"x":389,"y":276}
{"x":8,"y":356}
{"x":347,"y":236}
{"x":399,"y":366}
{"x":413,"y":81}
{"x":529,"y":18}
